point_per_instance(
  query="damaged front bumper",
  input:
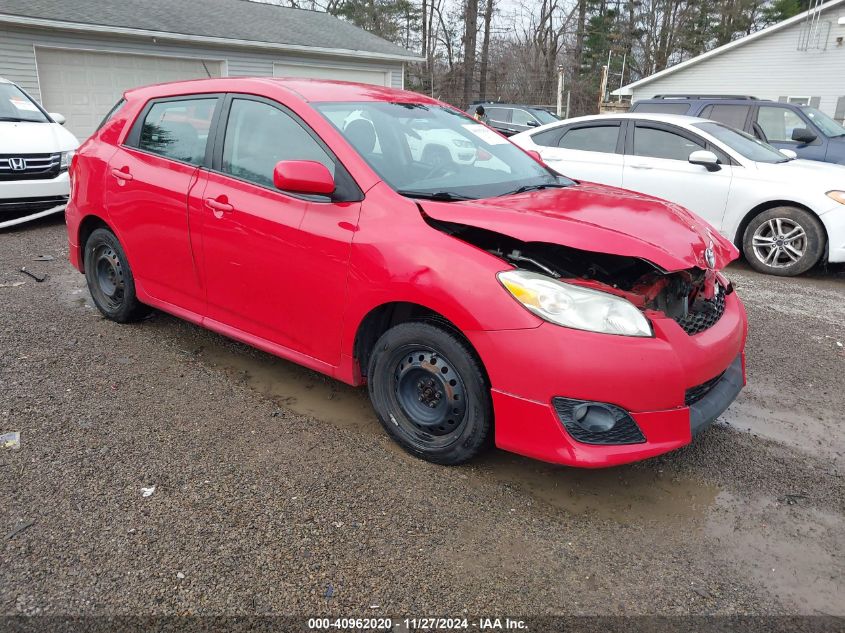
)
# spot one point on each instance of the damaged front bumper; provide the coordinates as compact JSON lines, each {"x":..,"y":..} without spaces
{"x":671,"y":386}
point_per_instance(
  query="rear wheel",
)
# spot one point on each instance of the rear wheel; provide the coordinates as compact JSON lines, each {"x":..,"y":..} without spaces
{"x":784,"y":241}
{"x":430,"y":393}
{"x":110,"y":279}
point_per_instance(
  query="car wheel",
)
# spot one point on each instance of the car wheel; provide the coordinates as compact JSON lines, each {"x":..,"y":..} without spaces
{"x":784,"y":241}
{"x":109,"y":278}
{"x":430,"y":393}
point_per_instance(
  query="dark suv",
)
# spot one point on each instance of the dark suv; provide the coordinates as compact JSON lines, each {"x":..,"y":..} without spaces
{"x":805,"y":130}
{"x":511,"y":118}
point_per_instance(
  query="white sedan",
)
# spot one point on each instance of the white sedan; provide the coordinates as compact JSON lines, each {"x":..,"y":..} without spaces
{"x":784,"y":214}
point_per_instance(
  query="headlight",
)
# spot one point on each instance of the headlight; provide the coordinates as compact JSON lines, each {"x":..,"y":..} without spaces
{"x":462,"y":143}
{"x":839,"y":196}
{"x":66,"y":158}
{"x":573,"y":306}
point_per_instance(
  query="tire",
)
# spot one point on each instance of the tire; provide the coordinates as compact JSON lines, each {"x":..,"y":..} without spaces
{"x":430,"y":393}
{"x":110,"y":279}
{"x":768,"y":247}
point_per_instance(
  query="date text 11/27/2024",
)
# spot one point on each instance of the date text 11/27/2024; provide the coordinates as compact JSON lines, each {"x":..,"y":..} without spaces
{"x":418,"y":624}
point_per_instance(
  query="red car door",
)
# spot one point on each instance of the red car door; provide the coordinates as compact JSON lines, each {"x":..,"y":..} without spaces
{"x":275,"y":262}
{"x":146,"y":193}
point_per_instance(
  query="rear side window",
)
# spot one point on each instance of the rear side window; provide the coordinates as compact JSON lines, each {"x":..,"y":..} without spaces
{"x":547,"y":138}
{"x":259,"y":135}
{"x":730,"y":115}
{"x":596,"y":138}
{"x":178,"y":129}
{"x":661,"y":108}
{"x":656,"y":143}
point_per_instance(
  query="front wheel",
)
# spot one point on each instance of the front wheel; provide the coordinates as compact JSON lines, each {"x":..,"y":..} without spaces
{"x":784,"y":241}
{"x":430,"y":393}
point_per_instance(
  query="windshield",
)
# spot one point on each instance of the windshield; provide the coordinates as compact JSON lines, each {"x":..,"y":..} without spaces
{"x":824,"y":122}
{"x":430,"y":151}
{"x":15,"y":105}
{"x":744,"y":144}
{"x":544,"y":117}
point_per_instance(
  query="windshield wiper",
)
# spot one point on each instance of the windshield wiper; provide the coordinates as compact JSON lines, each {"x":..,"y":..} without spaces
{"x":524,"y":188}
{"x":442,"y":196}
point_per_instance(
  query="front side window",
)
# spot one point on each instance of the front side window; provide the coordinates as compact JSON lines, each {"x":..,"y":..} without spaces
{"x":431,"y":151}
{"x":15,"y":105}
{"x":502,"y":115}
{"x":259,"y":135}
{"x":178,"y":129}
{"x":731,"y":115}
{"x":778,"y":123}
{"x":656,"y":143}
{"x":597,"y":138}
{"x":744,"y":144}
{"x":521,"y":117}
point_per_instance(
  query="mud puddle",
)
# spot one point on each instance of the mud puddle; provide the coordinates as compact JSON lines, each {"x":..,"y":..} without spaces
{"x":296,"y":388}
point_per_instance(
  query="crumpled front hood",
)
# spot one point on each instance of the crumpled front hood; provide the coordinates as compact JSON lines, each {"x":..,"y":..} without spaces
{"x":596,"y":218}
{"x":35,"y":138}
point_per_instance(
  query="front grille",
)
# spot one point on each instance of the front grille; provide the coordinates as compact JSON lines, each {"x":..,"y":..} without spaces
{"x":694,"y":394}
{"x":625,"y":431}
{"x":706,"y":316}
{"x":32,"y":166}
{"x":30,"y":205}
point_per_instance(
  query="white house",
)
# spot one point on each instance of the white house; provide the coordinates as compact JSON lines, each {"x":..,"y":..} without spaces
{"x":78,"y":56}
{"x":800,"y":60}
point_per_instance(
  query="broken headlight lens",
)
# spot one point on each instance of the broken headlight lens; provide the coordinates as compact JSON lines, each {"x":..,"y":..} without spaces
{"x":573,"y":306}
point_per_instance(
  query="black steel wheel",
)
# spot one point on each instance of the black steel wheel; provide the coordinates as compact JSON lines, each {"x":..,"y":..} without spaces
{"x":430,"y":393}
{"x":109,"y":278}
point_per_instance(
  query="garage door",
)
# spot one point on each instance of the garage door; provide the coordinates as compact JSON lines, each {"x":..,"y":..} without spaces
{"x":84,"y":85}
{"x":343,"y":73}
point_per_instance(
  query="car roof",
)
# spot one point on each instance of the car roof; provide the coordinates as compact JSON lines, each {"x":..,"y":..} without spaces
{"x":707,"y":100}
{"x":314,"y":90}
{"x":678,"y":119}
{"x":496,"y":104}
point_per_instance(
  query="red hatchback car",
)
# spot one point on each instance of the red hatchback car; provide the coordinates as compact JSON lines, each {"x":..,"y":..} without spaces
{"x":382,"y":237}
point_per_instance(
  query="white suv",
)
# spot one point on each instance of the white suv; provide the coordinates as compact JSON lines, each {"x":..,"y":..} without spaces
{"x":35,"y":152}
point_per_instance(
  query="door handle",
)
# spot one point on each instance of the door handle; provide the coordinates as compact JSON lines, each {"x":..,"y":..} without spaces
{"x":641,"y":166}
{"x":121,"y":174}
{"x":217,"y":205}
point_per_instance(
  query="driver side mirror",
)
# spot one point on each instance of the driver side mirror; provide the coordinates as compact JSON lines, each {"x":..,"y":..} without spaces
{"x":58,"y":118}
{"x":532,"y":124}
{"x":705,"y":159}
{"x":303,"y":176}
{"x":803,"y":135}
{"x":788,"y":153}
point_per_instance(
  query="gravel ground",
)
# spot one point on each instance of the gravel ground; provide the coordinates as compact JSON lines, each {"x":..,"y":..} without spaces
{"x":276,"y":492}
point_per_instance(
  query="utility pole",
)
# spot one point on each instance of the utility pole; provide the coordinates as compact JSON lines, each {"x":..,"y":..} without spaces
{"x":560,"y":91}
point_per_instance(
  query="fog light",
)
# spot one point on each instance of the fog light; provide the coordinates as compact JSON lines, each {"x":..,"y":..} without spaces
{"x":591,"y":422}
{"x":594,"y":418}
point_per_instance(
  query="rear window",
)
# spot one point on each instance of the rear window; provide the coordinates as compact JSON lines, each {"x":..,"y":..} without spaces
{"x":661,"y":108}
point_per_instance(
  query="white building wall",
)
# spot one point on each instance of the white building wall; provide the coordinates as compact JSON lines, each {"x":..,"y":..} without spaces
{"x":769,"y":67}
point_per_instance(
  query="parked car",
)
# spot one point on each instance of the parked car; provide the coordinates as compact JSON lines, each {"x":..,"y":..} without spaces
{"x":435,"y":285}
{"x":35,"y":151}
{"x":511,"y":118}
{"x":807,"y":131}
{"x":786,"y":215}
